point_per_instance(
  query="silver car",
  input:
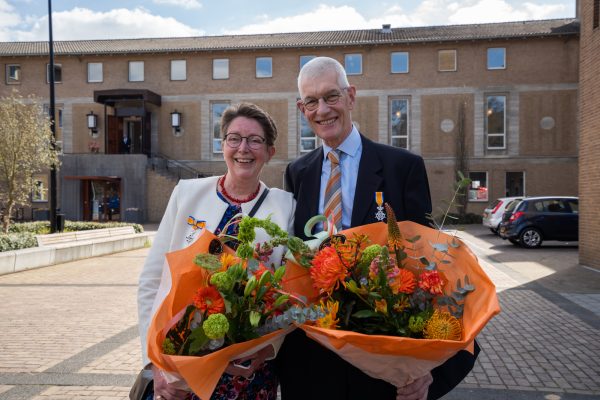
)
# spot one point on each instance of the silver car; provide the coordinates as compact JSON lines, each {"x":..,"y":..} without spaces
{"x":492,"y":215}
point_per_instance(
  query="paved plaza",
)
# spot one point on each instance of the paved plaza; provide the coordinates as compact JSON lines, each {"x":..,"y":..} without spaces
{"x":70,"y":331}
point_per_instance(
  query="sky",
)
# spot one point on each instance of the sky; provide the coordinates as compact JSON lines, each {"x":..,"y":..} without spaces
{"x":27,"y":20}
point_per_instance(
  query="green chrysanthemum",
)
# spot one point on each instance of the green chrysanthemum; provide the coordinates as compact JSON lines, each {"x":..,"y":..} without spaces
{"x":370,"y":253}
{"x":215,"y":326}
{"x":416,"y":324}
{"x":223,"y":281}
{"x":168,"y":347}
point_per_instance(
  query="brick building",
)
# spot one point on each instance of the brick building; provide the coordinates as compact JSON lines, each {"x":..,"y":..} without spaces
{"x":589,"y":136}
{"x":507,"y":91}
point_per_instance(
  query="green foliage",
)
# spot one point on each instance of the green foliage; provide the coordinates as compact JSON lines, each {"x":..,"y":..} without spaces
{"x":17,"y":241}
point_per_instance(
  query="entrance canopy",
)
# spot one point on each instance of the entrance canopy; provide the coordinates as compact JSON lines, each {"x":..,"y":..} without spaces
{"x":113,"y":96}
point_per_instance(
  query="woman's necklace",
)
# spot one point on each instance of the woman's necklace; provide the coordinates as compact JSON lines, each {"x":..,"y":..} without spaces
{"x":233,"y":199}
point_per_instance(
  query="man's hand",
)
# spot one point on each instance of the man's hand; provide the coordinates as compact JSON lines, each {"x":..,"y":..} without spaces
{"x":257,"y":359}
{"x":163,"y":390}
{"x":416,"y":390}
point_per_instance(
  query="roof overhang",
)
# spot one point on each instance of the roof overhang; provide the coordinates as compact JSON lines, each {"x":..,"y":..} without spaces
{"x":112,"y":96}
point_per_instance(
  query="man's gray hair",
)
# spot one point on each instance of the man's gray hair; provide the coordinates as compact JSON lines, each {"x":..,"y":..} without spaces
{"x":320,"y":65}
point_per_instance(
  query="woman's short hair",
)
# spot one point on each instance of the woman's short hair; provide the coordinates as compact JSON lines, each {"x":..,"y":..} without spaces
{"x":251,"y":111}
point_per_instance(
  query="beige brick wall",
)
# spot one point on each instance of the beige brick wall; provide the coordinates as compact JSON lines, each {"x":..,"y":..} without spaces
{"x":160,"y":188}
{"x":589,"y":156}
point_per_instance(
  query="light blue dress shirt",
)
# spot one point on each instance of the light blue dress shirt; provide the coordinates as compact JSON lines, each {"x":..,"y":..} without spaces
{"x":351,"y":150}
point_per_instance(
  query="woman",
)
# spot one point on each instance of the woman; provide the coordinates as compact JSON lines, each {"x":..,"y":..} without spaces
{"x":249,"y":136}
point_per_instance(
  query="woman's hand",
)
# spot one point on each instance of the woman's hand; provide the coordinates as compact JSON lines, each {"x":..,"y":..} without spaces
{"x":416,"y":390}
{"x":256,"y":361}
{"x":163,"y":390}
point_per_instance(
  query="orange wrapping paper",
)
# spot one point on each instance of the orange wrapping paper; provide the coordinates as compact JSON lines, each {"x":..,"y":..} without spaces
{"x":200,"y":373}
{"x":401,"y":360}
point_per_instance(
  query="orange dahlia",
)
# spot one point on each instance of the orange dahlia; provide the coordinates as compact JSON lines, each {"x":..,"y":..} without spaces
{"x":432,"y":282}
{"x":402,"y":281}
{"x":327,"y":270}
{"x":209,"y":300}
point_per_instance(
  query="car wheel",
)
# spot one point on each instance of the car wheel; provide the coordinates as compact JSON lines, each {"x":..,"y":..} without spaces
{"x":530,"y":237}
{"x":514,"y":241}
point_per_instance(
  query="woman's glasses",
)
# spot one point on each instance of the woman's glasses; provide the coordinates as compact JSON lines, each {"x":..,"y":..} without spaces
{"x":234,"y":140}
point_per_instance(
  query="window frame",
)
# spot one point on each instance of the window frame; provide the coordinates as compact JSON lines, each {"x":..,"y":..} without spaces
{"x":89,"y":72}
{"x":171,"y":71}
{"x":10,"y":80}
{"x":391,"y":124}
{"x":215,"y":125}
{"x":472,"y":195}
{"x":225,"y":62}
{"x":311,"y":137}
{"x":392,"y":62}
{"x":447,"y":51}
{"x":487,"y":116}
{"x":306,"y":59}
{"x":503,"y":66}
{"x":57,"y":73}
{"x":258,"y":60}
{"x":132,"y":64}
{"x":346,"y":63}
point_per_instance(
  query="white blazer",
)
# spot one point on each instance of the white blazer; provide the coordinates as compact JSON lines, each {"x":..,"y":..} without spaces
{"x":197,"y":198}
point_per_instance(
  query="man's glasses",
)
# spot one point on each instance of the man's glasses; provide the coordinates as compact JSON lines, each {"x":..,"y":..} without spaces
{"x":234,"y":140}
{"x":312,"y":104}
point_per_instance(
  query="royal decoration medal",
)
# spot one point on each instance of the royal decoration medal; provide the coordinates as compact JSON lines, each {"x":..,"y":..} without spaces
{"x":197,"y":225}
{"x":380,"y":214}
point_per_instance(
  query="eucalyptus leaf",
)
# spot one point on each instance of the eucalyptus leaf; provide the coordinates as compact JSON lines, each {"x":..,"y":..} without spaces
{"x":365,"y":314}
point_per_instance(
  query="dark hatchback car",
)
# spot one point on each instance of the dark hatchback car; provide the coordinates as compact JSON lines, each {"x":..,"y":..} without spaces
{"x":536,"y":219}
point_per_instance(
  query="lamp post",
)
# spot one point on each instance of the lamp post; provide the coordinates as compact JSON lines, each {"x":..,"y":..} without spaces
{"x":53,"y":191}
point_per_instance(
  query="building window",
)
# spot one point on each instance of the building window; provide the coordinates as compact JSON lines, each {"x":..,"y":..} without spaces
{"x":496,"y":122}
{"x":308,"y":139}
{"x":399,"y":62}
{"x":95,"y":72}
{"x":57,"y":73}
{"x":496,"y":58}
{"x":40,"y":189}
{"x":478,"y":190}
{"x":264,"y":67}
{"x":13,"y":74}
{"x":216,"y":111}
{"x":305,"y":59}
{"x":515,"y":184}
{"x":399,"y":123}
{"x":596,"y":21}
{"x":221,"y":68}
{"x":136,"y":71}
{"x":353,"y":64}
{"x":446,"y":60}
{"x":178,"y":70}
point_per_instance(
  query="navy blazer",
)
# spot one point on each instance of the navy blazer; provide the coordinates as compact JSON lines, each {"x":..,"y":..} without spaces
{"x":306,"y":369}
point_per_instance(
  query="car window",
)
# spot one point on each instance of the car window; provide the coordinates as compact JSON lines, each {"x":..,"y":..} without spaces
{"x":555,"y":206}
{"x":537,"y":206}
{"x":573,"y":205}
{"x":493,"y":204}
{"x":511,"y":206}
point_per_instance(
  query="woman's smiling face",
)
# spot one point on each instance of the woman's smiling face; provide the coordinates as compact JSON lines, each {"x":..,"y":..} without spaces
{"x":245,"y":163}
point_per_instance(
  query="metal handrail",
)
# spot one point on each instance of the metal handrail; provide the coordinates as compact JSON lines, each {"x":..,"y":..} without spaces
{"x":174,"y":167}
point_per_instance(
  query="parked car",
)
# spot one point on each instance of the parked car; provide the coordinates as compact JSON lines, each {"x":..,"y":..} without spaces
{"x":492,"y":215}
{"x":535,"y":219}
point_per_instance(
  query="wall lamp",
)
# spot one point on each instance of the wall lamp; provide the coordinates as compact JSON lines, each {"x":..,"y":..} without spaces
{"x":176,"y":120}
{"x":92,"y":122}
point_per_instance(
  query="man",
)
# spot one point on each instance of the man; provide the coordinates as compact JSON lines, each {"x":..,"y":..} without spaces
{"x":125,"y":144}
{"x":361,"y":169}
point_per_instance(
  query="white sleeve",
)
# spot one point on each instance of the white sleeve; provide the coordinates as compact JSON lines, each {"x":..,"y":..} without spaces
{"x":150,"y":277}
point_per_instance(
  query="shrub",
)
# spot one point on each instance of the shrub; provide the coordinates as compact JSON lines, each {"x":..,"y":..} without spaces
{"x":16,"y":241}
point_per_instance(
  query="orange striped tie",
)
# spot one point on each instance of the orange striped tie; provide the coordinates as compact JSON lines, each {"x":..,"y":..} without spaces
{"x":333,"y":191}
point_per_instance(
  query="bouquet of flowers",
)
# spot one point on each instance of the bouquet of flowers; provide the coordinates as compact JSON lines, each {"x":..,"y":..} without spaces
{"x":399,"y":300}
{"x":222,"y":306}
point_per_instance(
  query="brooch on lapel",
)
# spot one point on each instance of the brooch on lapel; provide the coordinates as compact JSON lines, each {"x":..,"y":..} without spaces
{"x":380,"y":214}
{"x":197,"y":226}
